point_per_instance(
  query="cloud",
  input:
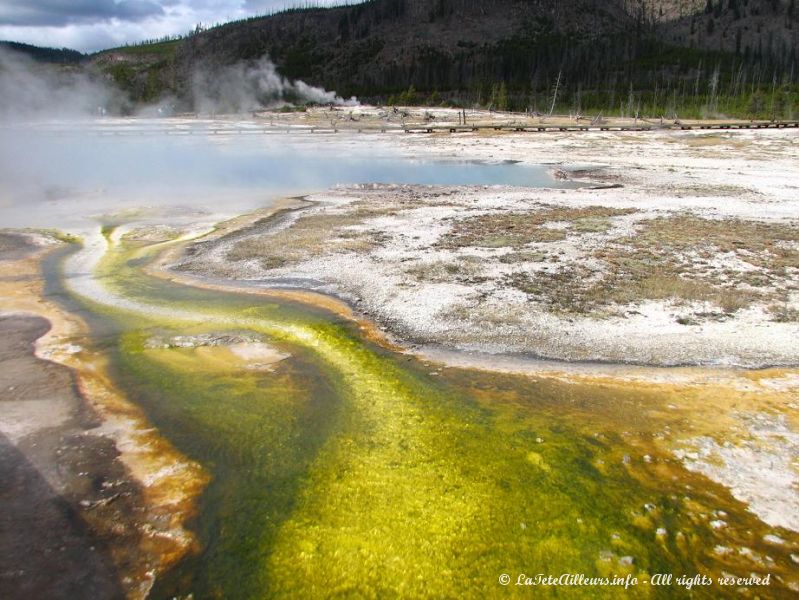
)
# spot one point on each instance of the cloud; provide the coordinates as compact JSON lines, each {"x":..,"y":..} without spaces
{"x":91,"y":25}
{"x":62,"y":12}
{"x":267,"y":6}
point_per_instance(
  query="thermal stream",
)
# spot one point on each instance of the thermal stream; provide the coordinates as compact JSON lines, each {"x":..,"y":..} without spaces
{"x":349,"y":468}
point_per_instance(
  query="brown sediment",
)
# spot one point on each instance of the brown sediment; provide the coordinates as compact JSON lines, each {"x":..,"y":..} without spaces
{"x":705,"y":401}
{"x":732,"y":379}
{"x":735,"y":428}
{"x":161,"y":485}
{"x":744,"y":439}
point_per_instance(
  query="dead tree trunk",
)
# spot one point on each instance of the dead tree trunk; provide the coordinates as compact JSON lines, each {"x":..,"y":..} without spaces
{"x":555,"y":93}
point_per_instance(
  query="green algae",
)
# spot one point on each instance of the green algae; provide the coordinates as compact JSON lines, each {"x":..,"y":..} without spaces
{"x":350,"y":471}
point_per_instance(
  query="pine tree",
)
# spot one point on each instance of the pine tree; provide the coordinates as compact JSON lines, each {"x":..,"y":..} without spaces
{"x":494,"y":96}
{"x":502,"y":97}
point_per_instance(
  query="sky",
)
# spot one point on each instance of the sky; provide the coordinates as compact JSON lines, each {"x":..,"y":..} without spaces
{"x":91,"y":25}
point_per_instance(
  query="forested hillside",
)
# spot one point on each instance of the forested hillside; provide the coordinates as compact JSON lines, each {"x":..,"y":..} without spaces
{"x":63,"y":56}
{"x":683,"y":57}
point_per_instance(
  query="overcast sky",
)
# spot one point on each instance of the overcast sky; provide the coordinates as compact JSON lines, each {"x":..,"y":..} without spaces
{"x":89,"y":25}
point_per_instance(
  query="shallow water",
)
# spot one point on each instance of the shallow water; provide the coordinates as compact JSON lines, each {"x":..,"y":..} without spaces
{"x":350,"y":470}
{"x":71,"y":178}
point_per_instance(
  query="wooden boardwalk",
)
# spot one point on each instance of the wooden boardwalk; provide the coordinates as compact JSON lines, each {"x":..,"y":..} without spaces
{"x":603,"y":127}
{"x":258,"y":129}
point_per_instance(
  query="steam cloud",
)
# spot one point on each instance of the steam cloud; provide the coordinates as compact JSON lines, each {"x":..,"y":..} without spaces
{"x":254,"y":85}
{"x":30,"y":90}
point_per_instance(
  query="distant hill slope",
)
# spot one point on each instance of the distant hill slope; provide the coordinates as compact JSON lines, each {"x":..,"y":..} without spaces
{"x":48,"y":55}
{"x":654,"y":57}
{"x":619,"y":55}
{"x":145,"y":71}
{"x":768,"y":27}
{"x":384,"y":46}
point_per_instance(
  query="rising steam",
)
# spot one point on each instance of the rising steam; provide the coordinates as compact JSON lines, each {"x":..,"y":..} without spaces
{"x":253,"y":85}
{"x":31,"y":90}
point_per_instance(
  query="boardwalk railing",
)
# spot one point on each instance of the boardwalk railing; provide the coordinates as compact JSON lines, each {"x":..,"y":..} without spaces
{"x":542,"y":128}
{"x":258,"y":129}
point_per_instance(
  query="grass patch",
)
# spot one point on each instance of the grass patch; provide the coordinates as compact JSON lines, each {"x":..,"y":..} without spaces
{"x":670,"y":259}
{"x":563,"y":290}
{"x":152,"y":235}
{"x":705,"y":141}
{"x":712,"y":191}
{"x":572,"y":290}
{"x":688,"y":232}
{"x":517,"y":229}
{"x":782,"y":313}
{"x":442,"y":271}
{"x":522,"y":257}
{"x":592,"y":225}
{"x":310,"y":236}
